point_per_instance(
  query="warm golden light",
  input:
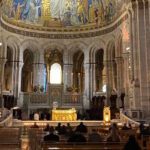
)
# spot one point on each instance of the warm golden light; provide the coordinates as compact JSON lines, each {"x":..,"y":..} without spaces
{"x":106,"y":114}
{"x":55,"y":74}
{"x":64,"y":115}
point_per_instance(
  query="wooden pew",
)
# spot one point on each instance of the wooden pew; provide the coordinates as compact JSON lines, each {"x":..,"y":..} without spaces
{"x":82,"y":146}
{"x":10,"y":138}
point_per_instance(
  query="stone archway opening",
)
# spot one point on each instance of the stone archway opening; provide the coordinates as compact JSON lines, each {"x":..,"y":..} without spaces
{"x":78,"y":72}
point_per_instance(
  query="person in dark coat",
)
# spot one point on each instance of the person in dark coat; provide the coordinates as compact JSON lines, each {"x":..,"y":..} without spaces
{"x":132,"y":144}
{"x":81,"y":128}
{"x":77,"y":137}
{"x":51,"y":136}
{"x":47,"y":128}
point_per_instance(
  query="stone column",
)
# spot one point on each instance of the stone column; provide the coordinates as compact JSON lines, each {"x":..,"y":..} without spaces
{"x":39,"y":72}
{"x":127,"y":69}
{"x":93,"y":80}
{"x":109,"y":79}
{"x":86,"y":97}
{"x":65,"y":76}
{"x":135,"y":90}
{"x":19,"y":66}
{"x":2,"y":65}
{"x":105,"y":78}
{"x":119,"y":79}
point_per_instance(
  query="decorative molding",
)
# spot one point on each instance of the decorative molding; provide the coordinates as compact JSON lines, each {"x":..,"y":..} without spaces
{"x":57,"y":35}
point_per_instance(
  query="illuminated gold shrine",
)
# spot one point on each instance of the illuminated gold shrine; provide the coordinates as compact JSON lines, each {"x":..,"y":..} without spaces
{"x":64,"y":115}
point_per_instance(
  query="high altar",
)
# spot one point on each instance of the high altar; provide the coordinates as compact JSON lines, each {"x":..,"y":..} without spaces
{"x":64,"y":115}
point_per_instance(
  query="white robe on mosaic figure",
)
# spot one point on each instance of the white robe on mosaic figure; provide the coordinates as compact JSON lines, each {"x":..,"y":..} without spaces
{"x":57,"y":9}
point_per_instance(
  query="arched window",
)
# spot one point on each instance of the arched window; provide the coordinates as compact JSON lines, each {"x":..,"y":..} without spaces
{"x":55,"y":74}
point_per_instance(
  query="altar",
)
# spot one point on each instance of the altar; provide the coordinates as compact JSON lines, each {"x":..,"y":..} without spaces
{"x":64,"y":114}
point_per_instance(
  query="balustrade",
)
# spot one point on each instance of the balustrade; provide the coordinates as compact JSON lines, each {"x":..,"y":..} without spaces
{"x":35,"y":99}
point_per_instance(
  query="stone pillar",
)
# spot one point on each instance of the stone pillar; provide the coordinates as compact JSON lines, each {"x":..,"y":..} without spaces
{"x":93,"y":80}
{"x":127,"y":69}
{"x":109,"y":79}
{"x":2,"y":65}
{"x":39,"y":72}
{"x":105,"y":79}
{"x":86,"y":97}
{"x":134,"y":98}
{"x":19,"y":67}
{"x":119,"y":63}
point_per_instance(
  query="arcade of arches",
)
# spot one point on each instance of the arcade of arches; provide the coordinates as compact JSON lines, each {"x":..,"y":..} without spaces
{"x":67,"y":66}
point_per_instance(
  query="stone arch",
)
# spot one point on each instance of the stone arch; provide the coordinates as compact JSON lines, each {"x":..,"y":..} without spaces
{"x":110,"y":49}
{"x":94,"y":47}
{"x":14,"y":43}
{"x":119,"y":45}
{"x":30,"y":45}
{"x":48,"y":46}
{"x":77,"y":46}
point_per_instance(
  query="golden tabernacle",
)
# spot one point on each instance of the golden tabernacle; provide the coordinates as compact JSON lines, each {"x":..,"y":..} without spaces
{"x":64,"y":115}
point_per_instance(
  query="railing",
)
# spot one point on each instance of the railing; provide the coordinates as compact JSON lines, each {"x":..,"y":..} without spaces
{"x":72,"y":99}
{"x":38,"y":98}
{"x":127,"y":120}
{"x":7,"y":119}
{"x":43,"y":99}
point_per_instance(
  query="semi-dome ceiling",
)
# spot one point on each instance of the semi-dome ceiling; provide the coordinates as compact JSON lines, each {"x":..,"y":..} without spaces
{"x":58,"y":13}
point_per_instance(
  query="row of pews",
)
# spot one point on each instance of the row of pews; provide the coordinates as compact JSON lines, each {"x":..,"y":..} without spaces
{"x":10,"y":138}
{"x":37,"y":143}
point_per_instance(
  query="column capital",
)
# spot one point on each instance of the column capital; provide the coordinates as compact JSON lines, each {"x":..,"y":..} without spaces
{"x":125,"y":55}
{"x":3,"y":61}
{"x":20,"y":64}
{"x":119,"y":60}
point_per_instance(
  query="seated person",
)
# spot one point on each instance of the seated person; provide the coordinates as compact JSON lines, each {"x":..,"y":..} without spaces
{"x":81,"y":128}
{"x":58,"y":128}
{"x":62,"y":130}
{"x":68,"y":129}
{"x":130,"y":126}
{"x":51,"y":136}
{"x":35,"y":126}
{"x":114,"y":135}
{"x":47,"y":127}
{"x":132,"y":144}
{"x":125,"y":127}
{"x":76,"y":137}
{"x":94,"y":136}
